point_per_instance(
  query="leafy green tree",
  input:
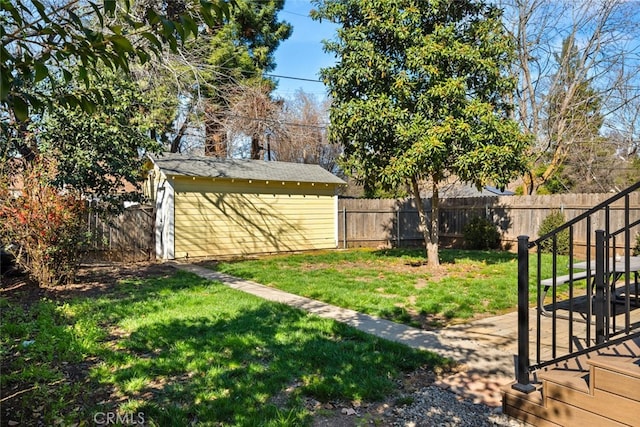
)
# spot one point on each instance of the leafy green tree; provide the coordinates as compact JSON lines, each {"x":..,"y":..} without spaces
{"x":162,"y":96}
{"x":219,"y":74}
{"x":98,"y":153}
{"x":420,"y":91}
{"x":87,"y":154}
{"x":42,"y":42}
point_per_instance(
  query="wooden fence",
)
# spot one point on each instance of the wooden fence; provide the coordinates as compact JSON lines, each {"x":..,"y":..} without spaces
{"x":379,"y":222}
{"x":126,"y":237}
{"x":382,"y":222}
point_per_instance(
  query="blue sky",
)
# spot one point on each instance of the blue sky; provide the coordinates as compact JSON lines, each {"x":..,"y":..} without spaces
{"x":301,"y":55}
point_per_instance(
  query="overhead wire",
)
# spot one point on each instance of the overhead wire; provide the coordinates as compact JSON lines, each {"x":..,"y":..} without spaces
{"x":321,"y":126}
{"x":277,"y":76}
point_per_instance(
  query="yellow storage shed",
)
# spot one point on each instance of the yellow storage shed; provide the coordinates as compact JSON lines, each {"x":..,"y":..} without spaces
{"x":207,"y":207}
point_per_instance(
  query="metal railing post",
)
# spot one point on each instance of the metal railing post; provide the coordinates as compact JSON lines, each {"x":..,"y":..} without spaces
{"x":522,"y":359}
{"x":599,"y":282}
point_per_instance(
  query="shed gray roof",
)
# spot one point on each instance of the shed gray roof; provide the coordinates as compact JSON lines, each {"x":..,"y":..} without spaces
{"x":173,"y":164}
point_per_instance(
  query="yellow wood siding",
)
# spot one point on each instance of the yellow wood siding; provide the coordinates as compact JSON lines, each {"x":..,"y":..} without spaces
{"x":235,"y":218}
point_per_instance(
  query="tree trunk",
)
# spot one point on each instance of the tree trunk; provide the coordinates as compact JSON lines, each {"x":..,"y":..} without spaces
{"x":428,"y":227}
{"x":23,"y":141}
{"x":528,"y":183}
{"x":176,"y":143}
{"x":215,"y":139}
{"x":256,"y":148}
{"x":434,"y":237}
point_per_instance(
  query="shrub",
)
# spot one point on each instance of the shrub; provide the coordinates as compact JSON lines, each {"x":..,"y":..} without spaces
{"x":480,"y":233}
{"x":552,"y":221}
{"x":636,"y":248}
{"x":45,"y":227}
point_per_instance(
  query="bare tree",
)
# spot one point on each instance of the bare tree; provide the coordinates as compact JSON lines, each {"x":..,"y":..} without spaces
{"x":177,"y":83}
{"x":304,"y":139}
{"x":625,"y":123}
{"x":604,"y":35}
{"x":253,"y":115}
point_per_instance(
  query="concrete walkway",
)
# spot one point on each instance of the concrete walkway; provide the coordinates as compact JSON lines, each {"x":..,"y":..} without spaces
{"x":484,"y":348}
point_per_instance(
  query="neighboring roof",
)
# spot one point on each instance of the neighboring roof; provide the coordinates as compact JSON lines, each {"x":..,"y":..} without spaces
{"x":497,"y":191}
{"x":457,"y":189}
{"x":174,"y":164}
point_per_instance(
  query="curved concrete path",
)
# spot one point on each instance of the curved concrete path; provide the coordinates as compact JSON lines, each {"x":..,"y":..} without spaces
{"x":484,"y":348}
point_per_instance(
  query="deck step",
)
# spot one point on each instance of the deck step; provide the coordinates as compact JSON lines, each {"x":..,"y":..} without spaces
{"x":538,"y":411}
{"x":573,"y":394}
{"x":629,"y":366}
{"x":597,"y":389}
{"x":616,"y":375}
{"x":577,"y":381}
{"x":526,"y":407}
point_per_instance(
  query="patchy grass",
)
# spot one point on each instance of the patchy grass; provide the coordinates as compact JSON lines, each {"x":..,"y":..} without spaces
{"x":37,"y":349}
{"x":178,"y":350}
{"x":396,"y":284}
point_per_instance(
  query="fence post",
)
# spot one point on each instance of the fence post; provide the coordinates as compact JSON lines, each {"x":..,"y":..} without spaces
{"x":399,"y":231}
{"x":599,"y":282}
{"x":344,"y":227}
{"x":522,"y":359}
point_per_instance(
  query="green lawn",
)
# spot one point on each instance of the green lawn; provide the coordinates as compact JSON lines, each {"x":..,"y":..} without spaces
{"x":395,"y":284}
{"x":181,"y":350}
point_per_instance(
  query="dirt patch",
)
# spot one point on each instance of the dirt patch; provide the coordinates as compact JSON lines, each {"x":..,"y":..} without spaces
{"x":19,"y":288}
{"x":91,"y":280}
{"x":421,"y":284}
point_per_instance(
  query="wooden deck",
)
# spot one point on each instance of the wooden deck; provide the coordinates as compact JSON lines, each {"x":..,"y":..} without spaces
{"x":600,"y":388}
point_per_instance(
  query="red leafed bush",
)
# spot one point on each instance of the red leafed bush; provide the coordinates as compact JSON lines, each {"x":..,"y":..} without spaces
{"x":44,"y":228}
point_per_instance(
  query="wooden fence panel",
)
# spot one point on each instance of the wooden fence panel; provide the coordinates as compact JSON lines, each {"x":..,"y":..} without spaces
{"x":385,"y":223}
{"x":126,"y":237}
{"x":380,"y":222}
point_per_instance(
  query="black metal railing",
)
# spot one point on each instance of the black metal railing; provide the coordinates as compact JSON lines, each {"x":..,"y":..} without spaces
{"x":609,"y":271}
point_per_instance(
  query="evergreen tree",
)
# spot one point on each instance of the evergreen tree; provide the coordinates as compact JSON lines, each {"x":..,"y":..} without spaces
{"x":238,"y":54}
